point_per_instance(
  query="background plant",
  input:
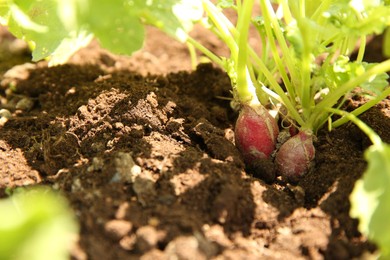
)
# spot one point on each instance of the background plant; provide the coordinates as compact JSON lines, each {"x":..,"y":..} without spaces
{"x":55,"y":29}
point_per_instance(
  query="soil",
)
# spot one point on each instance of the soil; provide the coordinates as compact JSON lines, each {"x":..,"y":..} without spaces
{"x":143,"y":149}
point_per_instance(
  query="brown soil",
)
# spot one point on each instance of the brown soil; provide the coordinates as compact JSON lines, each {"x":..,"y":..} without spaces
{"x":143,"y":150}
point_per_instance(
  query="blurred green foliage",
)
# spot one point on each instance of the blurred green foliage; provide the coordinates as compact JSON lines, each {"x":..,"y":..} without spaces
{"x":36,"y":224}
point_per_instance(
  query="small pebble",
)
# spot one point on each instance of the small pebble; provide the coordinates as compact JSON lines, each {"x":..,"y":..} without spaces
{"x":125,"y":168}
{"x":25,"y":104}
{"x":97,"y":164}
{"x":117,"y":229}
{"x":128,"y":242}
{"x":147,"y":238}
{"x":118,"y":125}
{"x":5,"y":113}
{"x":184,"y":248}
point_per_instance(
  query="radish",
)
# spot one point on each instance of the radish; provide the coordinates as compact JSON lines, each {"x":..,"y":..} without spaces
{"x":294,"y":156}
{"x":256,"y":132}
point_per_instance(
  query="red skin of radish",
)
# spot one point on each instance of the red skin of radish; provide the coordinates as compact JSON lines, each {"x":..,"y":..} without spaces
{"x":255,"y":133}
{"x":294,"y":156}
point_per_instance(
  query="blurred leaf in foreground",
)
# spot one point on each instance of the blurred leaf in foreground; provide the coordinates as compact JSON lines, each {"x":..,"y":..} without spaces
{"x":370,"y":198}
{"x":56,"y":29}
{"x":36,"y":224}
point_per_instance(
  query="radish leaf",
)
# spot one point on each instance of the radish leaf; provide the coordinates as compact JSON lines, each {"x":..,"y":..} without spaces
{"x":120,"y":33}
{"x":38,"y":23}
{"x":370,"y":198}
{"x":56,"y":29}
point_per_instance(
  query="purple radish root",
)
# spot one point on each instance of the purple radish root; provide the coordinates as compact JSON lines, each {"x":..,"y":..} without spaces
{"x":256,"y":132}
{"x":295,"y":155}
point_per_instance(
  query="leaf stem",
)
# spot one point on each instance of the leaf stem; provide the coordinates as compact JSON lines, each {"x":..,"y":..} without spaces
{"x":331,"y":99}
{"x":245,"y":89}
{"x":362,"y":48}
{"x":363,"y":108}
{"x":273,"y":30}
{"x":192,"y":52}
{"x":206,"y":51}
{"x":374,"y":137}
{"x":279,"y":90}
{"x":219,"y":20}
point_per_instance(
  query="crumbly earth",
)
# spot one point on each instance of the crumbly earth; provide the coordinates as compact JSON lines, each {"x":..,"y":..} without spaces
{"x":143,"y":149}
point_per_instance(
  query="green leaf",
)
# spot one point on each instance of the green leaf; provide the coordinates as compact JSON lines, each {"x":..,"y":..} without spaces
{"x":377,"y":83}
{"x":57,"y":28}
{"x":36,"y":224}
{"x":38,"y":23}
{"x":174,"y":17}
{"x":357,"y":17}
{"x":344,"y":70}
{"x":115,"y":24}
{"x":4,"y":11}
{"x":69,"y":45}
{"x":226,"y":4}
{"x":370,"y":199}
{"x":294,"y":36}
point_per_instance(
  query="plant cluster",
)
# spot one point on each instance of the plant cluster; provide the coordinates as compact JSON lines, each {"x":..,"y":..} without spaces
{"x":304,"y":69}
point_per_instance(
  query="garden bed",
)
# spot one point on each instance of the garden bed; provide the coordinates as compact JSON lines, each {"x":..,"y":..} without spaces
{"x":84,"y":126}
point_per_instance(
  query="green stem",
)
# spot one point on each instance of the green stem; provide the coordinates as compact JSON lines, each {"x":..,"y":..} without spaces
{"x":288,"y":18}
{"x":334,"y":96}
{"x":261,"y":95}
{"x":305,"y":93}
{"x":279,"y":90}
{"x":273,"y":29}
{"x":245,"y":88}
{"x":362,"y":108}
{"x":191,"y":50}
{"x":328,"y":41}
{"x":362,"y":48}
{"x":219,"y":20}
{"x":318,"y":13}
{"x":206,"y":52}
{"x":302,"y":11}
{"x":374,"y":137}
{"x":264,"y":48}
